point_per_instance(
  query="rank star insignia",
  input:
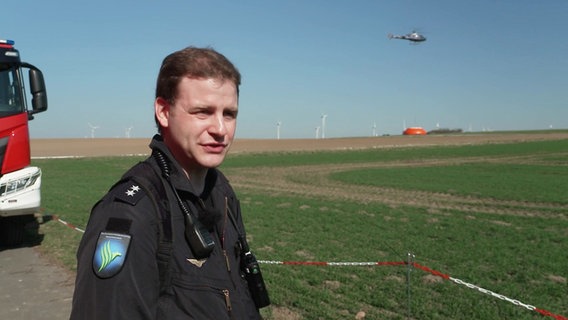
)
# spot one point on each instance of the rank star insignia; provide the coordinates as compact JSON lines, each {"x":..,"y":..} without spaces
{"x":132,"y":190}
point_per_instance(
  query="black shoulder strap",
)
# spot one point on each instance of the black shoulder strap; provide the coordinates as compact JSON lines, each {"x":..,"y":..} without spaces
{"x":148,"y":179}
{"x":233,"y":206}
{"x":224,"y":186}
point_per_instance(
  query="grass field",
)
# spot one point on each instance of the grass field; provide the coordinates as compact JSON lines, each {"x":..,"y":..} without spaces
{"x":492,"y":215}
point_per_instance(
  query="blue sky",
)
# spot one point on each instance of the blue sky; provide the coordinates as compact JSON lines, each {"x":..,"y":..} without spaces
{"x":487,"y":64}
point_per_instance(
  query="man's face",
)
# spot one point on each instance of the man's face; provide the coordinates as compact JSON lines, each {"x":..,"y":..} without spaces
{"x":199,"y":128}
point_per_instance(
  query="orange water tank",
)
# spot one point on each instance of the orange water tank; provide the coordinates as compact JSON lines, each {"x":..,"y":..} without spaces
{"x":414,"y":131}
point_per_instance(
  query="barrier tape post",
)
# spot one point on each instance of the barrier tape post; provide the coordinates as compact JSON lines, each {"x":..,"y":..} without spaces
{"x":409,"y":264}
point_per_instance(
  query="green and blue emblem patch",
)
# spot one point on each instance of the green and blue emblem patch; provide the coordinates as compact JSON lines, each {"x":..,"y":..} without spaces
{"x":110,"y":253}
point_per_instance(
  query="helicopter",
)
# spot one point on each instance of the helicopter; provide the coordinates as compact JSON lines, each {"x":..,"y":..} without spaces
{"x":414,"y":37}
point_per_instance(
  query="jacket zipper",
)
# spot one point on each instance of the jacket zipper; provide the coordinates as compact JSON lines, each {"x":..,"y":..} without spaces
{"x":228,"y":300}
{"x":227,"y":263}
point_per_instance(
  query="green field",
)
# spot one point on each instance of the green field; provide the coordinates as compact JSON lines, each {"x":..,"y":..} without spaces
{"x":495,"y":216}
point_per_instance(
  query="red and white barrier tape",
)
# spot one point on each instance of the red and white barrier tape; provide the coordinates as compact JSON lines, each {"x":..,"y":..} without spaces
{"x":389,"y":263}
{"x":316,"y":263}
{"x":426,"y":269}
{"x":67,"y":224}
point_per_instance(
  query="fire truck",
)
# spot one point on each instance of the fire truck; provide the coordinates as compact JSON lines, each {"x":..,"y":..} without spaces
{"x":19,"y":181}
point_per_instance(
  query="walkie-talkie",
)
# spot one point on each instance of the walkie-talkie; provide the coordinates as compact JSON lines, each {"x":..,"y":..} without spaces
{"x":251,"y":268}
{"x":196,"y":234}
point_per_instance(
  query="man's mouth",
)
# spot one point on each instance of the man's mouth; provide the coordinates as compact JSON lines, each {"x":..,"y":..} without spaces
{"x":214,"y":147}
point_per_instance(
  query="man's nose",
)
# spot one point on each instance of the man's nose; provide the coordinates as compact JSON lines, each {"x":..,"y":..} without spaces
{"x":218,"y":125}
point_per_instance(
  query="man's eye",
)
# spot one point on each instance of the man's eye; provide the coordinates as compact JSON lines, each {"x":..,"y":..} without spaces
{"x":231,"y":115}
{"x":201,"y":112}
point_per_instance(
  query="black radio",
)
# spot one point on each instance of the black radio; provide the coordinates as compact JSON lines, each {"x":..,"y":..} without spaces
{"x":251,"y":268}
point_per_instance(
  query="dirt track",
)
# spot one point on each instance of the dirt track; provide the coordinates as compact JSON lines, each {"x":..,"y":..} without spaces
{"x":302,"y":180}
{"x":32,"y":288}
{"x":276,"y":179}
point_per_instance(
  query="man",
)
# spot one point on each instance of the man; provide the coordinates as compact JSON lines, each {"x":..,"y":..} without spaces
{"x":167,"y":241}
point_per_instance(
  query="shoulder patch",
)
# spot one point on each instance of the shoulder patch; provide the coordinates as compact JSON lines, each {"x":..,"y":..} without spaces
{"x":129,"y":192}
{"x":110,"y":254}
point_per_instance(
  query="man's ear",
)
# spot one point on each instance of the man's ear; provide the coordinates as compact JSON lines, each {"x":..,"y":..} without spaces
{"x":162,"y":111}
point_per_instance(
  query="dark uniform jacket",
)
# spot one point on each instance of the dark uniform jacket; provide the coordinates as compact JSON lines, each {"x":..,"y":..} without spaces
{"x":118,"y":274}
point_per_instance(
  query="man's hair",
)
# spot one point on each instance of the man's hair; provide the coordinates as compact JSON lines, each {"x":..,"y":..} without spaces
{"x":195,"y":63}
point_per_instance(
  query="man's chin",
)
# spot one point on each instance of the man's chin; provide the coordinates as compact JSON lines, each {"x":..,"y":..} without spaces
{"x":212,"y":161}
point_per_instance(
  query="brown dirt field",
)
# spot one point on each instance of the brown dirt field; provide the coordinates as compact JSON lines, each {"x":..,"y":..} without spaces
{"x":112,"y":147}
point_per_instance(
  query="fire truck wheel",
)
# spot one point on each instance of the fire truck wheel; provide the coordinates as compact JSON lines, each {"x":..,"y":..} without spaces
{"x":13,"y":230}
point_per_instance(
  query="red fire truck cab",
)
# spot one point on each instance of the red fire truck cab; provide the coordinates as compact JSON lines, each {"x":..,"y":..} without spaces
{"x":19,"y":182}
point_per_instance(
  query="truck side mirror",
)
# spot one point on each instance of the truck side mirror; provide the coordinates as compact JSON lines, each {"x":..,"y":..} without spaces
{"x":37,"y":89}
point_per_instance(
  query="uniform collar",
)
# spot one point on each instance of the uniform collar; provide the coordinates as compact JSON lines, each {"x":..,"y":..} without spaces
{"x":177,"y":175}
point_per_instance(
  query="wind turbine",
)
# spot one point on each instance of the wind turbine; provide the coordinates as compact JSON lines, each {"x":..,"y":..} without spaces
{"x":93,"y":128}
{"x":278,"y":124}
{"x":374,"y":129}
{"x":317,"y":132}
{"x":127,"y":132}
{"x":323,"y":116}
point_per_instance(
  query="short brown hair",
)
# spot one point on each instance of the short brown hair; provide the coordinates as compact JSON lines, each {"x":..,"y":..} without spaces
{"x":193,"y":62}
